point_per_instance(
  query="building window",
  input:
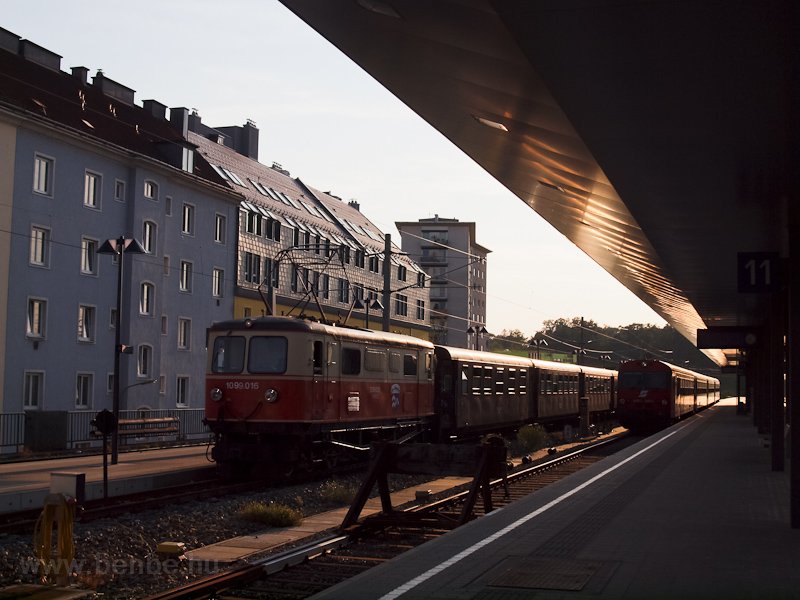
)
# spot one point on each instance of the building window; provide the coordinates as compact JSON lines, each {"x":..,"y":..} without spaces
{"x":166,"y":266}
{"x":91,"y":190}
{"x":144,"y":364}
{"x":187,"y":224}
{"x":86,"y":321}
{"x":326,"y":286}
{"x":402,"y":273}
{"x":119,"y":190}
{"x":40,"y":247}
{"x":344,"y":291}
{"x":186,"y":276}
{"x":162,"y":384}
{"x":151,"y":190}
{"x":359,"y":259}
{"x":184,"y":334}
{"x":252,"y":267}
{"x":112,"y":318}
{"x":421,"y":310}
{"x":293,"y":279}
{"x":83,"y":390}
{"x":374,"y":264}
{"x":217,"y":281}
{"x":421,"y":280}
{"x":37,"y":317}
{"x":164,"y":325}
{"x":182,"y":391}
{"x":401,"y":305}
{"x":168,"y":206}
{"x":43,"y":175}
{"x":33,"y":392}
{"x":273,"y":230}
{"x":253,"y":223}
{"x":110,"y":383}
{"x":149,"y":230}
{"x":88,"y":256}
{"x":219,"y":229}
{"x":146,"y":298}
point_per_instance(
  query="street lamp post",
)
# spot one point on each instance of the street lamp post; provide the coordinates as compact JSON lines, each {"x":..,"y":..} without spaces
{"x":360,"y":304}
{"x":538,"y":344}
{"x":118,"y":247}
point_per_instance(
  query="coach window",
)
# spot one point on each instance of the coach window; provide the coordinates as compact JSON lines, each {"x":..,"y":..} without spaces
{"x":465,"y":387}
{"x":317,"y":358}
{"x":488,"y":380}
{"x":522,"y":380}
{"x":351,"y":361}
{"x":409,"y":364}
{"x":375,"y":361}
{"x":228,"y":355}
{"x":267,"y":355}
{"x":511,"y":390}
{"x":477,"y":381}
{"x":499,"y":381}
{"x":395,"y":362}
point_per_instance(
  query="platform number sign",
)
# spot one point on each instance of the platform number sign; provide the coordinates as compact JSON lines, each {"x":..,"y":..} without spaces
{"x":759,"y":271}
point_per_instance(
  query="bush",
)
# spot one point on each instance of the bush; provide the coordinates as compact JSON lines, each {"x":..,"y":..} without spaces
{"x":531,"y":438}
{"x":274,"y":515}
{"x":334,"y":492}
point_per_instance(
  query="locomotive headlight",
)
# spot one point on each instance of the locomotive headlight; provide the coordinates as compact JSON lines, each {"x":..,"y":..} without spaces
{"x":271,"y":395}
{"x":216,"y":394}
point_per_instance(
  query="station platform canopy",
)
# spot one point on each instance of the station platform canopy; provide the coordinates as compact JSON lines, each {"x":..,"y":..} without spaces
{"x":655,"y":135}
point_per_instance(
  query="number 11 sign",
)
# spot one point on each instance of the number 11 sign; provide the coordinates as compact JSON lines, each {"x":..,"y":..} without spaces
{"x":758,"y":271}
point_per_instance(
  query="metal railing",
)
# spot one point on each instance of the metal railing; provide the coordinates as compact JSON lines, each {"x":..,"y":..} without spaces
{"x":79,"y":428}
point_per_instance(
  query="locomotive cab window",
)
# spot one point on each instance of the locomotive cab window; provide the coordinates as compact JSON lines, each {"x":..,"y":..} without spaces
{"x":228,"y":356}
{"x":267,"y":355}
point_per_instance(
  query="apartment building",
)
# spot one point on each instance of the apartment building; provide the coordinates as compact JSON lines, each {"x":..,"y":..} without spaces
{"x":307,"y":253}
{"x":455,"y":263}
{"x":81,"y":164}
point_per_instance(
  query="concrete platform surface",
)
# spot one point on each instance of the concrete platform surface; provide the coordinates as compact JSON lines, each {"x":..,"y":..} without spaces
{"x":691,"y":512}
{"x":23,"y":485}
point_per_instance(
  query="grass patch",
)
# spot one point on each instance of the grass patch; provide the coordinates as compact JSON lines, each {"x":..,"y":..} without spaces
{"x":274,"y":515}
{"x":334,"y":492}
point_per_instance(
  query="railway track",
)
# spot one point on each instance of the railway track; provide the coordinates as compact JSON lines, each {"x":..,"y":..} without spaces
{"x":308,"y":569}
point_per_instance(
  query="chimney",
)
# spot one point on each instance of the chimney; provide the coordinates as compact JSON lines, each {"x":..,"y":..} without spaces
{"x":81,"y":74}
{"x":9,"y":41}
{"x":179,"y":117}
{"x":112,"y":89}
{"x":40,"y":56}
{"x":155,"y":108}
{"x":354,"y":204}
{"x":242,"y":139}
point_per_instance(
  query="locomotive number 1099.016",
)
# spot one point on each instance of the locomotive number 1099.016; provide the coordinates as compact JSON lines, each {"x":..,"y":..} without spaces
{"x":242,"y":385}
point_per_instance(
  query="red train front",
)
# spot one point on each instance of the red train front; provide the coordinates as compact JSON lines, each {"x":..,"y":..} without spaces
{"x":653,"y":394}
{"x":284,"y":392}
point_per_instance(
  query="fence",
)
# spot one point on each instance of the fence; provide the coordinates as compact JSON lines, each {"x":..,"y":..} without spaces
{"x":79,"y":428}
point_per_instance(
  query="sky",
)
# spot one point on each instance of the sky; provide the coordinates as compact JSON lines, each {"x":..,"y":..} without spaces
{"x":330,"y":124}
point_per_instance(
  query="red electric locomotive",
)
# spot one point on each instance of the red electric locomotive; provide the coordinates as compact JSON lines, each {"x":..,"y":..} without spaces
{"x":653,"y":393}
{"x":283,"y":391}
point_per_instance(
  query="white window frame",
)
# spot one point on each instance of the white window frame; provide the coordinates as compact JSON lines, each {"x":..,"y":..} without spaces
{"x":40,"y":246}
{"x":220,"y":224}
{"x":150,"y":190}
{"x":147,"y":298}
{"x":217,"y":282}
{"x":184,"y":333}
{"x":89,"y":257}
{"x":149,"y":236}
{"x":43,"y":182}
{"x":28,"y":376}
{"x":182,"y":391}
{"x":40,"y":331}
{"x":119,"y":190}
{"x":187,"y":219}
{"x":144,"y":360}
{"x":87,"y":319}
{"x":88,"y":401}
{"x":187,"y":275}
{"x":92,"y":190}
